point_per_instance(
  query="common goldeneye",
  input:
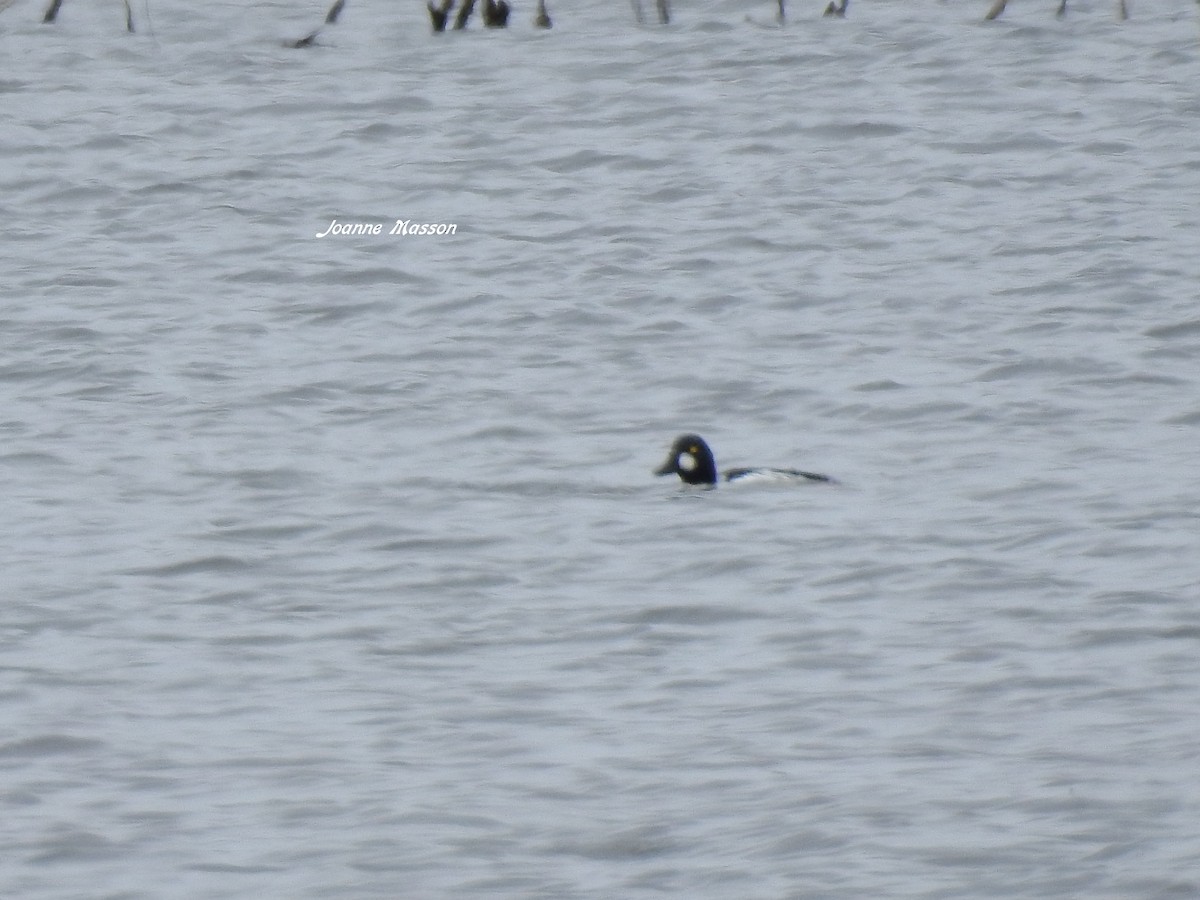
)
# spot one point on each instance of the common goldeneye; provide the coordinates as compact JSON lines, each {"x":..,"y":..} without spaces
{"x":692,"y":461}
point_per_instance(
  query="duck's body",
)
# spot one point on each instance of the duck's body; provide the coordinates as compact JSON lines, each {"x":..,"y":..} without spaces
{"x":692,"y":460}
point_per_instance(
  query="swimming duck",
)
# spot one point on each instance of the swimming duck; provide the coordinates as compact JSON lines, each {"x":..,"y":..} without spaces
{"x":691,"y":459}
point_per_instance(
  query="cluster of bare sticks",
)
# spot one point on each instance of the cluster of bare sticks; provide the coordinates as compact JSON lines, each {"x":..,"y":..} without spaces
{"x":998,"y":7}
{"x":308,"y":40}
{"x":56,"y":5}
{"x":495,"y":13}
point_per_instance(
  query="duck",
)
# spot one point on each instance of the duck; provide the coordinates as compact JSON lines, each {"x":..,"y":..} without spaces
{"x":692,"y":460}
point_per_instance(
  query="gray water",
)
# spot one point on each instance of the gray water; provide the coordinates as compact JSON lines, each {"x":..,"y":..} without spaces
{"x":335,"y":567}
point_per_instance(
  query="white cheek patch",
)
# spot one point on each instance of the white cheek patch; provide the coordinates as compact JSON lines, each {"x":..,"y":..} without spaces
{"x":686,"y":462}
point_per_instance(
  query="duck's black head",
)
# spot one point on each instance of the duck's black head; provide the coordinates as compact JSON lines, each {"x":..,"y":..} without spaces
{"x":691,"y":460}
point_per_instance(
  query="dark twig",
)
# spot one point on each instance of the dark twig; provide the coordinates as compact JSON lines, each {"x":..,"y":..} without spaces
{"x":439,"y":14}
{"x":464,"y":14}
{"x":310,"y":39}
{"x":495,"y":13}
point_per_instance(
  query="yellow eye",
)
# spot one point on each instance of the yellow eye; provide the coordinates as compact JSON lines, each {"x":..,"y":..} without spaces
{"x":693,"y":449}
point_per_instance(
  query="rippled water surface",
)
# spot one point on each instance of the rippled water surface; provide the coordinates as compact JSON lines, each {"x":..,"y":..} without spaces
{"x":335,"y":568}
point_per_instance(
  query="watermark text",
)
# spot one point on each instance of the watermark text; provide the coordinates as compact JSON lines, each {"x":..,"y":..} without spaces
{"x":401,"y":228}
